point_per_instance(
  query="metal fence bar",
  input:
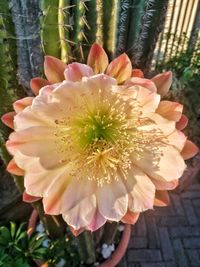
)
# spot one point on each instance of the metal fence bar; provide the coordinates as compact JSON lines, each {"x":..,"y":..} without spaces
{"x":178,"y":34}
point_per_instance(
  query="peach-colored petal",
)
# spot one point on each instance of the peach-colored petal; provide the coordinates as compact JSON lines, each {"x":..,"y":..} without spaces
{"x":97,"y":221}
{"x":28,"y":118}
{"x":161,"y":198}
{"x":130,"y":217}
{"x":170,"y":110}
{"x":140,"y":189}
{"x":148,"y":101}
{"x":189,"y":150}
{"x":158,"y":123}
{"x":36,"y":142}
{"x":120,"y":68}
{"x":176,"y":139}
{"x":8,"y":119}
{"x":81,"y":215}
{"x":37,"y":83}
{"x":165,"y":164}
{"x":76,"y":232}
{"x":113,"y":200}
{"x":61,"y":199}
{"x":14,"y":169}
{"x":163,"y":185}
{"x":97,"y":59}
{"x":54,"y":198}
{"x":28,"y":198}
{"x":54,"y":69}
{"x":182,"y":123}
{"x":163,"y":82}
{"x":21,"y":104}
{"x":76,"y":71}
{"x":137,"y":73}
{"x":146,"y":83}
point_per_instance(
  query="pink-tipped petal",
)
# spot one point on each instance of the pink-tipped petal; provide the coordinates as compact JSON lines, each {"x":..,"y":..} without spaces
{"x":76,"y":232}
{"x":182,"y":123}
{"x":97,"y":221}
{"x":37,"y":83}
{"x":141,"y":190}
{"x":130,"y":217}
{"x":14,"y":169}
{"x":137,"y":73}
{"x":163,"y":82}
{"x":8,"y":119}
{"x":21,"y":104}
{"x":120,"y":68}
{"x":170,"y":110}
{"x":189,"y":150}
{"x":177,"y":139}
{"x":163,"y":185}
{"x":76,"y":71}
{"x":54,"y":69}
{"x":141,"y":82}
{"x":28,"y":198}
{"x":161,"y":198}
{"x":116,"y":204}
{"x":97,"y":59}
{"x":81,"y":215}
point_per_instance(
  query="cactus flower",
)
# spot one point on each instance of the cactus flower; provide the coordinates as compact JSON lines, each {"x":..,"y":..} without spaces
{"x":97,"y":143}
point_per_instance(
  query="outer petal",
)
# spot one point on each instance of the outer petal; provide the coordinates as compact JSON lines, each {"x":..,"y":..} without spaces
{"x":28,"y":198}
{"x":165,"y":163}
{"x":148,"y":101}
{"x":76,"y":71}
{"x":97,"y":221}
{"x":14,"y":169}
{"x":97,"y":59}
{"x":37,"y":83}
{"x":163,"y":185}
{"x":120,"y":68}
{"x":39,"y":141}
{"x":54,"y":69}
{"x":130,"y":217}
{"x":161,"y":198}
{"x":21,"y":104}
{"x":146,"y":83}
{"x":63,"y":199}
{"x":182,"y":123}
{"x":163,"y":82}
{"x":170,"y":110}
{"x":81,"y":215}
{"x":8,"y":119}
{"x":189,"y":150}
{"x":137,"y":73}
{"x":113,"y":200}
{"x":176,"y":139}
{"x":141,"y":190}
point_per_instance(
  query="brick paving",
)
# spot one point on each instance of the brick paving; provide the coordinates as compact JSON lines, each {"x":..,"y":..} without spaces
{"x":168,"y":236}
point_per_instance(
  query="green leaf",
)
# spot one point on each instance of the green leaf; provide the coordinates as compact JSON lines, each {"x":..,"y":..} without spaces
{"x":19,"y":230}
{"x":12,"y":229}
{"x":4,"y":235}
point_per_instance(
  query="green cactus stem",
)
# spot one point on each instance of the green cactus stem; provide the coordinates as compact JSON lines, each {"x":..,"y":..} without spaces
{"x":110,"y":26}
{"x":63,"y":29}
{"x":49,"y":30}
{"x":151,"y":25}
{"x":86,"y":247}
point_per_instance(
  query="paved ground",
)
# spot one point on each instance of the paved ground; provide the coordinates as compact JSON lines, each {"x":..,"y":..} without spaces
{"x":168,"y":236}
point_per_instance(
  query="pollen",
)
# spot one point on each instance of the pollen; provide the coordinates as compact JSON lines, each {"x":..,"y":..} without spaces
{"x":101,"y":137}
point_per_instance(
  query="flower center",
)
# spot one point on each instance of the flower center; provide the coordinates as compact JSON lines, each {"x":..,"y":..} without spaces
{"x":101,"y":138}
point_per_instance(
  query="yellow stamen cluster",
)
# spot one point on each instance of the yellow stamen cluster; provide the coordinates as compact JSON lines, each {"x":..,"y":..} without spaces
{"x":102,"y":137}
